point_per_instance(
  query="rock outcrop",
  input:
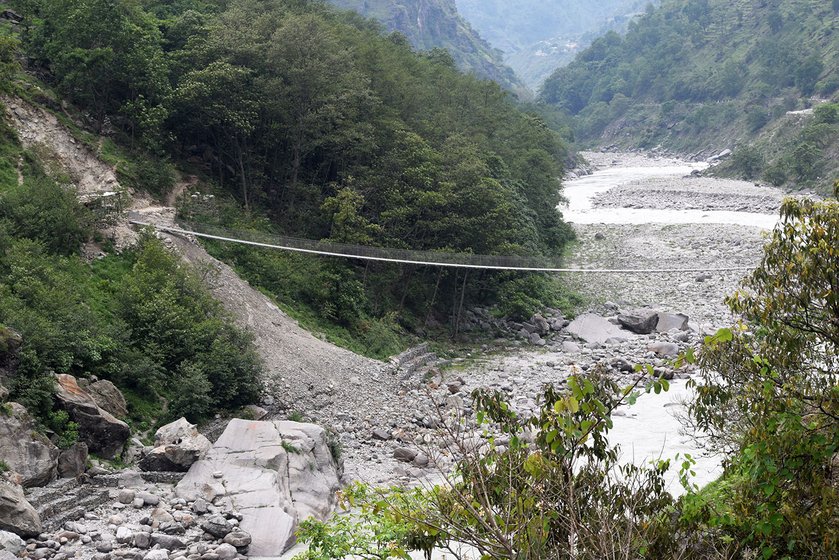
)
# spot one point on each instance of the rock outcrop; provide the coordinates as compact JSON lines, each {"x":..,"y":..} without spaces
{"x":16,"y":514}
{"x":595,"y":329}
{"x":100,"y":430}
{"x":73,"y":461}
{"x":273,"y":473}
{"x":177,"y":446}
{"x":107,"y":397}
{"x":24,"y":450}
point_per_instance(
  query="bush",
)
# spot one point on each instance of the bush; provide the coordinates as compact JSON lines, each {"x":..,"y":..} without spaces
{"x":748,"y":161}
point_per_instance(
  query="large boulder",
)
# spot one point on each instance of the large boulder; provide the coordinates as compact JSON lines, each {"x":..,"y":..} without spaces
{"x":176,"y":447}
{"x":672,"y":321}
{"x":100,"y":430}
{"x":108,"y":398}
{"x":594,"y":329}
{"x":72,"y":462}
{"x":11,"y":543}
{"x":24,"y":450}
{"x":273,"y":473}
{"x":639,"y":321}
{"x":16,"y":514}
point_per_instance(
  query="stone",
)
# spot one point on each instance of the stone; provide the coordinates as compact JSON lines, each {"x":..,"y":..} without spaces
{"x":125,"y":535}
{"x":274,"y":473}
{"x":381,"y":435}
{"x":72,"y":462}
{"x":126,"y":496}
{"x":541,"y":323}
{"x":594,"y":328}
{"x":106,"y":395}
{"x":168,"y":542}
{"x":226,"y":552}
{"x":100,"y":430}
{"x":142,"y":540}
{"x":16,"y":514}
{"x":159,"y":516}
{"x":11,"y":542}
{"x":571,"y":347}
{"x":217,"y":526}
{"x":534,"y":338}
{"x":157,"y":554}
{"x":639,"y":321}
{"x":200,"y":506}
{"x":104,"y":546}
{"x":176,"y":447}
{"x":404,"y":454}
{"x":421,"y":460}
{"x":239,"y":539}
{"x":24,"y":450}
{"x":670,"y":321}
{"x":148,"y":498}
{"x":664,"y":349}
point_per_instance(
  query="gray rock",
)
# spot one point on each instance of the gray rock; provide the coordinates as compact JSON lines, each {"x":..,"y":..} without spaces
{"x":10,"y":542}
{"x":148,"y":498}
{"x":670,"y":321}
{"x":217,"y":526}
{"x":541,"y":324}
{"x":258,"y":476}
{"x":404,"y":454}
{"x":226,"y":552}
{"x":142,"y":540}
{"x":16,"y":514}
{"x":535,"y":339}
{"x":421,"y":460}
{"x":168,"y":542}
{"x":255,"y":412}
{"x":664,"y":349}
{"x":157,"y":554}
{"x":640,"y":321}
{"x":176,"y":447}
{"x":6,"y":555}
{"x":125,"y":535}
{"x":100,"y":430}
{"x":72,"y":462}
{"x":200,"y":506}
{"x":594,"y":328}
{"x":126,"y":496}
{"x":239,"y":539}
{"x":25,"y":450}
{"x":571,"y":347}
{"x":104,"y":546}
{"x":381,"y":435}
{"x":108,"y":397}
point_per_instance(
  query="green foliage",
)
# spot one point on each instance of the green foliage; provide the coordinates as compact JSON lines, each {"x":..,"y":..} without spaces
{"x":316,"y":121}
{"x":748,"y":161}
{"x":66,"y":432}
{"x":4,"y":467}
{"x":9,"y":66}
{"x":552,"y":498}
{"x":770,"y":396}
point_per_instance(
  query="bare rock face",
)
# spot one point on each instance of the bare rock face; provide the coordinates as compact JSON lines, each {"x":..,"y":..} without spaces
{"x":177,"y":446}
{"x":24,"y":450}
{"x":98,"y":428}
{"x":273,"y":473}
{"x":108,"y":397}
{"x":640,"y":321}
{"x":16,"y":514}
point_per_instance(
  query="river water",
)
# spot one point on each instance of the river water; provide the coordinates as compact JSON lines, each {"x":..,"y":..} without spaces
{"x":581,"y":194}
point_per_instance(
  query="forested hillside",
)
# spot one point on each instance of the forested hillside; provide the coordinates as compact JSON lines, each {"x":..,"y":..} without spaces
{"x":431,"y":24}
{"x":539,"y":36}
{"x":311,"y":122}
{"x":713,"y":74}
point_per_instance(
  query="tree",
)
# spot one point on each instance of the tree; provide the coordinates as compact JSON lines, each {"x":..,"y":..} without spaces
{"x":770,"y":394}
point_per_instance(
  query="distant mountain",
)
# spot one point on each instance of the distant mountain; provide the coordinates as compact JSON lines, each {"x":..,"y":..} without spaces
{"x":430,"y":24}
{"x":708,"y":74}
{"x":539,"y":36}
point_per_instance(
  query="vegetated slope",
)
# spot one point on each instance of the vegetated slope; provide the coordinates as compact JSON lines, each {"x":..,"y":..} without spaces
{"x":310,"y":122}
{"x":430,"y":24}
{"x":710,"y":74}
{"x":539,"y":36}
